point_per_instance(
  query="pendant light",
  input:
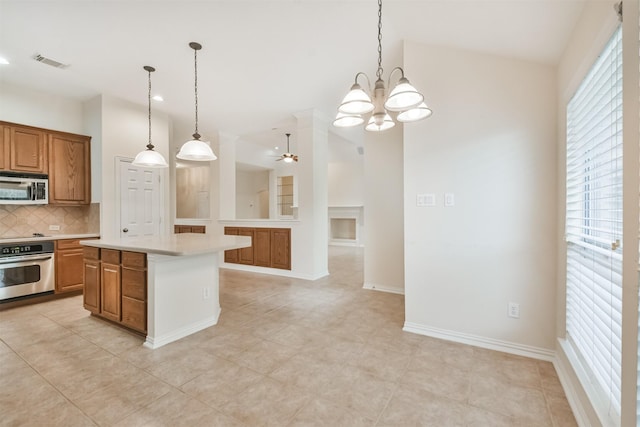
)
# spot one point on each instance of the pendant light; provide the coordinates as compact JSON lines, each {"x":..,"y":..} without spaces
{"x":195,"y":149}
{"x":404,"y":100}
{"x":149,"y":158}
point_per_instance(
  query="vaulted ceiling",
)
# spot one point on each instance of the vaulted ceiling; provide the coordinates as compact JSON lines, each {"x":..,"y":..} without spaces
{"x":262,"y":60}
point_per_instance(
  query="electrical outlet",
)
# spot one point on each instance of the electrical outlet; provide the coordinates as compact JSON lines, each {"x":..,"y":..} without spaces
{"x":514,"y":310}
{"x":54,"y":228}
{"x":205,"y":293}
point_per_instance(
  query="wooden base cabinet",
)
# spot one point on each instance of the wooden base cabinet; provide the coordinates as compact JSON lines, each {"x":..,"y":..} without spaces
{"x":270,"y":247}
{"x":91,"y":274}
{"x":69,"y":265}
{"x":116,"y":286}
{"x":201,"y":229}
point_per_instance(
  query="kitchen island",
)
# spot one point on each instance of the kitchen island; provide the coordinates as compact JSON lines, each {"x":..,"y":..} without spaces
{"x":166,"y":287}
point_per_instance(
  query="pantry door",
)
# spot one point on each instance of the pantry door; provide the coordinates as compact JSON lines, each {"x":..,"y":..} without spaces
{"x":140,"y":200}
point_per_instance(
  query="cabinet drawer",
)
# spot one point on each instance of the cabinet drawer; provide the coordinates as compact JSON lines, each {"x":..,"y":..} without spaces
{"x":68,"y":244}
{"x":91,"y":253}
{"x":110,"y":256}
{"x":133,"y":283}
{"x":134,"y":259}
{"x":134,"y":314}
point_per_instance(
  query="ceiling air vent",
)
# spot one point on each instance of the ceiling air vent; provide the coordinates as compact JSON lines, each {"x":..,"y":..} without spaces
{"x":50,"y":61}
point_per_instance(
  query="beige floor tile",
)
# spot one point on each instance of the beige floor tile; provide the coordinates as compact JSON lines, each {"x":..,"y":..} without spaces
{"x":438,"y":378}
{"x":321,"y":413}
{"x":184,"y":367}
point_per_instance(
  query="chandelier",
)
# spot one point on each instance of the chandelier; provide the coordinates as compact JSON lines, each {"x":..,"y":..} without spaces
{"x":404,"y":101}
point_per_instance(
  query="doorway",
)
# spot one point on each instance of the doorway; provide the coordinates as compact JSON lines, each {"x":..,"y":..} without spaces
{"x":141,"y":199}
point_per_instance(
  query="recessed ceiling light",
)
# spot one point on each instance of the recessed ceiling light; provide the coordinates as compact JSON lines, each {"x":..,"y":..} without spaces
{"x":158,"y":98}
{"x":3,"y":61}
{"x":277,"y":148}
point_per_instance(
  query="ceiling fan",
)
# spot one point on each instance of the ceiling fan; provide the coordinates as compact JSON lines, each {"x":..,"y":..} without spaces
{"x":288,"y":157}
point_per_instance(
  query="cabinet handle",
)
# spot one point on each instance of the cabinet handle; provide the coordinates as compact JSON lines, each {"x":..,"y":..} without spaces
{"x":125,"y":230}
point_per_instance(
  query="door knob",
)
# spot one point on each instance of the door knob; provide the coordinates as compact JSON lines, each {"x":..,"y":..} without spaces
{"x":124,"y":230}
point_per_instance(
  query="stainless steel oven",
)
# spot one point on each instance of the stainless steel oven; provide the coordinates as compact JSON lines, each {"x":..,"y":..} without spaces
{"x":26,"y":268}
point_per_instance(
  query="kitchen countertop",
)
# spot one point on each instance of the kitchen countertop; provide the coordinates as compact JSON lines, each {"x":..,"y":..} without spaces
{"x":183,"y":244}
{"x":49,"y":238}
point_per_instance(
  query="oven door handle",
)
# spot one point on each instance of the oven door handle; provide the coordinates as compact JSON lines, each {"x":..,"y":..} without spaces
{"x":26,"y":258}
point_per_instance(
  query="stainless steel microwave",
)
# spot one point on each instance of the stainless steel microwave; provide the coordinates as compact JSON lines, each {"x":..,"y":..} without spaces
{"x":23,"y":189}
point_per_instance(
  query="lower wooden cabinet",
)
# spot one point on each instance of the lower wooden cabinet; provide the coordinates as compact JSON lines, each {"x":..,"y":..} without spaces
{"x":116,"y":286}
{"x":201,"y":229}
{"x":270,"y":247}
{"x":68,"y":265}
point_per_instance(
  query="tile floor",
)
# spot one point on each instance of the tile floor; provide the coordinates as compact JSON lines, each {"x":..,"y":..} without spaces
{"x":286,"y":352}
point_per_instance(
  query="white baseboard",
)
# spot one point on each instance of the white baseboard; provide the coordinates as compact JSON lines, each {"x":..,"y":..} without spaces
{"x":483,"y":342}
{"x":273,"y":271}
{"x":157,"y":342}
{"x":382,"y":288}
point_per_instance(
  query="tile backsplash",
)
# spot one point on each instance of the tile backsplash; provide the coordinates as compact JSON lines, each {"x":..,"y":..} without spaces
{"x":24,"y":220}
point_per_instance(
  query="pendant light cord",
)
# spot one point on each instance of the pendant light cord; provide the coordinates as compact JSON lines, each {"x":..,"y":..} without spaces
{"x":195,"y":63}
{"x":149,"y":69}
{"x":379,"y":71}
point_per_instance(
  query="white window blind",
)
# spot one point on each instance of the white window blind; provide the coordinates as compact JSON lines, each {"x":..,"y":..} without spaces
{"x":594,"y":223}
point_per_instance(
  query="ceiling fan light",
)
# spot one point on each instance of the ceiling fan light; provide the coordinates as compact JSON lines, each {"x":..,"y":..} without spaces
{"x":356,"y":101}
{"x":403,"y":97}
{"x":196,"y":150}
{"x":414,"y":114}
{"x":150,"y":159}
{"x":347,"y":120}
{"x":288,"y":159}
{"x":379,"y":122}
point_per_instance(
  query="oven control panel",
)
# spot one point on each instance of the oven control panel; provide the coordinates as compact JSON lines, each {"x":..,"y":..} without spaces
{"x":26,"y":249}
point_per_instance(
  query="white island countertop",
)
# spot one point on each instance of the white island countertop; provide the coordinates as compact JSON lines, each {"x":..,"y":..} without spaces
{"x":182,"y":244}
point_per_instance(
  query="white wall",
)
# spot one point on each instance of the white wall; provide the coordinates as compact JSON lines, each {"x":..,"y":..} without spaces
{"x":346,"y":173}
{"x":492,"y":142}
{"x":30,"y":107}
{"x":383,"y":211}
{"x":125,"y":132}
{"x":249,"y":185}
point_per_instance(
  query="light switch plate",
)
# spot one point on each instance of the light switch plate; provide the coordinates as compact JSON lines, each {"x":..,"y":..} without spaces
{"x":425,"y":200}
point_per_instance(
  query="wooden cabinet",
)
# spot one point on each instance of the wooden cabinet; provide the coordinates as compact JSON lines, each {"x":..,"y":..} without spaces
{"x":91,"y":279}
{"x":69,"y":268}
{"x":23,"y":149}
{"x":270,"y":247}
{"x":65,"y":157}
{"x":69,"y":169}
{"x":134,"y":290}
{"x":110,"y":284}
{"x":116,"y":286}
{"x":201,"y":229}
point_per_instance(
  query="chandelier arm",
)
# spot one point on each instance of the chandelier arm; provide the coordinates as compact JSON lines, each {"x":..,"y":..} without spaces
{"x":366,"y":77}
{"x":391,"y":74}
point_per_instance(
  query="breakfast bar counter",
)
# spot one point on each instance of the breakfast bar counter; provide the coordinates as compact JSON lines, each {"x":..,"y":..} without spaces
{"x":166,"y":287}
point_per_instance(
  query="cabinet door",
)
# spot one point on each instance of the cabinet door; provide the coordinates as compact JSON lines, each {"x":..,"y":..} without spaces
{"x":69,"y":270}
{"x":110,"y":291}
{"x":262,"y":247}
{"x":281,"y":248}
{"x":134,"y":314}
{"x":246,"y":255}
{"x":231,"y":255}
{"x":27,"y":150}
{"x":69,"y":169}
{"x":92,"y":285}
{"x":4,"y":147}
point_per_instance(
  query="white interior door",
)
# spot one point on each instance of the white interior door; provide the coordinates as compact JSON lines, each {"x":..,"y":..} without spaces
{"x":140,"y":200}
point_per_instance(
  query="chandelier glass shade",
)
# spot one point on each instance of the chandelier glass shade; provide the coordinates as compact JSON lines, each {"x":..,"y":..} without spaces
{"x":149,"y":158}
{"x":404,"y":101}
{"x":194,"y":149}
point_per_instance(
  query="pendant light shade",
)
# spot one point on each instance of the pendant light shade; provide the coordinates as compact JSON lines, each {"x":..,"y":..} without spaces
{"x":149,"y":158}
{"x":347,"y":120}
{"x":379,"y":122}
{"x":416,"y":113}
{"x":195,"y":149}
{"x":404,"y":99}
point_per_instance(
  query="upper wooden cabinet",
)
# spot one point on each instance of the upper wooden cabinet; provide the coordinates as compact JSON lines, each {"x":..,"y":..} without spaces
{"x":69,"y":169}
{"x":65,"y":157}
{"x":23,"y":149}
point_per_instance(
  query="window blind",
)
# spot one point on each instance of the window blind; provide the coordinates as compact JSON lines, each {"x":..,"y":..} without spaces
{"x":594,"y":223}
